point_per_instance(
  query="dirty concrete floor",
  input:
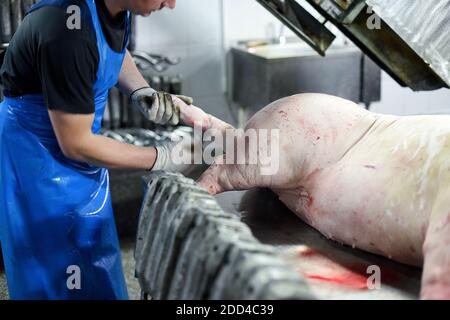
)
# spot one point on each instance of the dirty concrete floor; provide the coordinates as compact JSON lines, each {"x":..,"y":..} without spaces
{"x":3,"y":287}
{"x":127,"y":250}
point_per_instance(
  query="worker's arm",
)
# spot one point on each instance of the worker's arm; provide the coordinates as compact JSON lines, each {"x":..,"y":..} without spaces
{"x":77,"y":142}
{"x":158,"y":107}
{"x":130,"y":79}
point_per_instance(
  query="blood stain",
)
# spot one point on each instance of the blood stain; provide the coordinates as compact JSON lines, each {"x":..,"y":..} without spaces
{"x":347,"y":275}
{"x":308,"y":252}
{"x":347,"y":279}
{"x":310,"y":200}
{"x":302,"y":121}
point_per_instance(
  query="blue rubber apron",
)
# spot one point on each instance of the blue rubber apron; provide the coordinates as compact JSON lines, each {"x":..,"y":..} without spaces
{"x":57,"y":227}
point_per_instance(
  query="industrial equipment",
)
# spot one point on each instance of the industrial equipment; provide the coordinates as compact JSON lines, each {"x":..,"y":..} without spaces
{"x":407,"y":39}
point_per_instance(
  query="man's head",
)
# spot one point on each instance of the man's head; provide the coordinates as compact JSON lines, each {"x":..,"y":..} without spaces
{"x":146,"y":7}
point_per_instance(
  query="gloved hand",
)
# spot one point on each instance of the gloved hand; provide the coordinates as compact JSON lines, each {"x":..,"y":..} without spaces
{"x":177,"y":156}
{"x":158,"y":107}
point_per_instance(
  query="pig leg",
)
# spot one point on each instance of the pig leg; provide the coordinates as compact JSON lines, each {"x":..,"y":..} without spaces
{"x":241,"y":170}
{"x":194,"y":116}
{"x":436,"y":249}
{"x":221,"y":177}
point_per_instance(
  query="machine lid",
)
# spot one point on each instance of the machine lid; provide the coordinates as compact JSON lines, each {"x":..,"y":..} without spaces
{"x":406,"y":38}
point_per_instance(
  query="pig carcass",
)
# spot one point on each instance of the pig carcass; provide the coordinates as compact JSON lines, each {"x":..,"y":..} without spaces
{"x":380,"y":183}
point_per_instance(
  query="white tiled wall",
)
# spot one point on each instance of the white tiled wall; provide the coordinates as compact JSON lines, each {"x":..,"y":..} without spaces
{"x":200,"y":32}
{"x":246,"y":19}
{"x":403,"y":101}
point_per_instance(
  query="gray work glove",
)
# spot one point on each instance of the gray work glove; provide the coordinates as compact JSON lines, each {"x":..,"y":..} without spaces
{"x":176,"y":156}
{"x":158,"y":107}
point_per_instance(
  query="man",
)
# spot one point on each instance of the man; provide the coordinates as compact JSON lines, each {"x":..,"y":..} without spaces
{"x":56,"y":225}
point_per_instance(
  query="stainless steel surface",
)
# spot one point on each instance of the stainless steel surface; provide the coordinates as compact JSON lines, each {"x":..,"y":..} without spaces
{"x":394,"y":53}
{"x":301,"y":22}
{"x":149,"y":138}
{"x":424,"y":26}
{"x":264,"y":74}
{"x":159,"y":63}
{"x":332,"y":271}
{"x":292,"y":50}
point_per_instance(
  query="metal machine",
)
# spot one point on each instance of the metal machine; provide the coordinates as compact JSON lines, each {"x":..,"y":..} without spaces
{"x":407,"y":39}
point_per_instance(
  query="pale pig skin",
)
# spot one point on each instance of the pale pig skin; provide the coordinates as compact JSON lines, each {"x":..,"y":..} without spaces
{"x":380,"y":183}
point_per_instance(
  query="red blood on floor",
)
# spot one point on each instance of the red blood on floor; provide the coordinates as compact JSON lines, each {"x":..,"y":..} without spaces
{"x":347,"y":279}
{"x":319,"y":267}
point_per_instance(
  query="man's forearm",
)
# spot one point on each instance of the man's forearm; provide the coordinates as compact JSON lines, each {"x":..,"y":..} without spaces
{"x":108,"y":153}
{"x":130,"y":78}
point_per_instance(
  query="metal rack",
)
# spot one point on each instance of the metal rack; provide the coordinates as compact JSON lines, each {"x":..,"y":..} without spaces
{"x":119,"y":115}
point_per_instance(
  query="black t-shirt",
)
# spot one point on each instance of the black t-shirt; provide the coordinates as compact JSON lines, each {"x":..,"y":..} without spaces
{"x":46,"y":57}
